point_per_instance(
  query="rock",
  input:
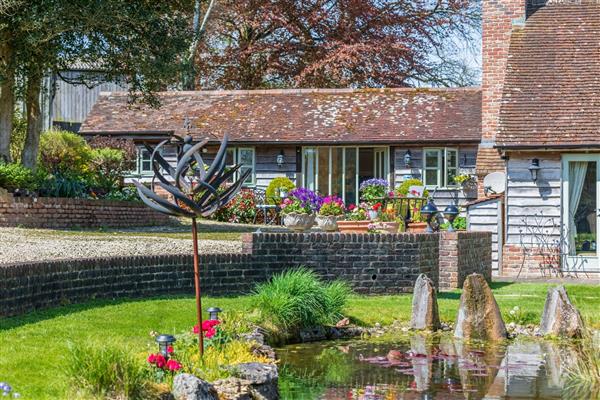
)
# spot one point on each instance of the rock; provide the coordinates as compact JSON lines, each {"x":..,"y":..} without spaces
{"x":424,"y":305}
{"x":313,"y":334}
{"x":233,"y":389}
{"x":343,"y":322}
{"x":257,"y":335}
{"x":560,"y":317}
{"x":263,"y":378}
{"x":394,"y":355}
{"x":190,"y":387}
{"x":478,"y":314}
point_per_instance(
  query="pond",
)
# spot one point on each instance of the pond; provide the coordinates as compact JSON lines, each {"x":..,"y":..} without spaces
{"x":420,"y":367}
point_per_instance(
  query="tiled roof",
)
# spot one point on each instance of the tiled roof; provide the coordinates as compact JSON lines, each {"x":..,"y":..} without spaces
{"x":552,"y":90}
{"x":301,"y":115}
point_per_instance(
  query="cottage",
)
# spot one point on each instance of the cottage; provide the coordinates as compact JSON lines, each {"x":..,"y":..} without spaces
{"x":328,"y":140}
{"x":541,"y":127}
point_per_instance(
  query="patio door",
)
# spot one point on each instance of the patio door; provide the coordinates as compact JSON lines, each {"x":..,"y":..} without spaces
{"x":580,"y":212}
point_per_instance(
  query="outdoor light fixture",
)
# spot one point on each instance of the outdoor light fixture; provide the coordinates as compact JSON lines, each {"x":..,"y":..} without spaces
{"x":451,"y":212}
{"x":407,"y":158}
{"x":534,"y":169}
{"x":213,"y":313}
{"x":280,"y":158}
{"x":429,"y":210}
{"x":164,"y":341}
{"x":283,"y":192}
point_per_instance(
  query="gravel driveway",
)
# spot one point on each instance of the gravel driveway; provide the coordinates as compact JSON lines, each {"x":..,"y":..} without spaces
{"x":17,"y":245}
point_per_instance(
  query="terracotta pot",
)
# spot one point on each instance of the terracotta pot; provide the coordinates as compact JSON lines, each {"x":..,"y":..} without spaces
{"x":390,"y":227}
{"x":328,"y":223}
{"x":298,"y":222}
{"x":353,"y":226}
{"x":416,"y":227}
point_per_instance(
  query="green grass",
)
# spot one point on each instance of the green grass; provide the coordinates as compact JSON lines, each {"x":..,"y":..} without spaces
{"x":34,"y":347}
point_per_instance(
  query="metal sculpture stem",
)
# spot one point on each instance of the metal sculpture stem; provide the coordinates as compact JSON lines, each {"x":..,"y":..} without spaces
{"x":197,"y":286}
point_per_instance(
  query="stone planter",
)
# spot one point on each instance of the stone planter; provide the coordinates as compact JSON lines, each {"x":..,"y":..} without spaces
{"x":353,"y":226}
{"x":298,"y":222}
{"x":328,"y":223}
{"x":416,"y":227}
{"x":390,"y":227}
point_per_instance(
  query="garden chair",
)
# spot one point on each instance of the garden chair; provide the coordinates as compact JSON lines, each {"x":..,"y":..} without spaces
{"x":270,"y":212}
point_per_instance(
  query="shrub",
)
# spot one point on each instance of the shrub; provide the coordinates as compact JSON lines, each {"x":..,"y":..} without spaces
{"x":298,"y":299}
{"x":15,"y":176}
{"x":108,"y":167}
{"x":59,"y":185}
{"x":127,"y":146}
{"x":272,"y":193}
{"x":17,"y":137}
{"x":460,"y":223}
{"x":583,"y":375}
{"x":108,"y":372}
{"x":405,"y":186}
{"x":301,"y":201}
{"x":241,"y":209}
{"x":65,"y":153}
{"x":373,"y":190}
{"x":127,"y":193}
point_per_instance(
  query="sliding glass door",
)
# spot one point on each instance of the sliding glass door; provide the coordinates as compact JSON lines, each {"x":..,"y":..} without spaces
{"x":339,"y":170}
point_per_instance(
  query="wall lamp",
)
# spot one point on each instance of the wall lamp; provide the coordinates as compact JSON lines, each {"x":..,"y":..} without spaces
{"x":280,"y":159}
{"x":534,"y":169}
{"x":407,"y":158}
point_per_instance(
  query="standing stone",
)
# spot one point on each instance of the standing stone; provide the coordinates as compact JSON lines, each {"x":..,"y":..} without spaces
{"x":190,"y":387}
{"x":560,"y":317}
{"x":424,"y":305}
{"x":478,"y":314}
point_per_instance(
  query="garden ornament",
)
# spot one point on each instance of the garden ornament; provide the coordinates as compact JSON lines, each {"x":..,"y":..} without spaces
{"x":195,"y":188}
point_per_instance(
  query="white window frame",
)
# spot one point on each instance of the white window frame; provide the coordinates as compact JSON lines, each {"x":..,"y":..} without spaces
{"x":138,"y":171}
{"x":236,"y":159}
{"x":442,"y":167}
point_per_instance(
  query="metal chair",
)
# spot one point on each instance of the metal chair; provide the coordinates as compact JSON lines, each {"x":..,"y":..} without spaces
{"x":270,"y":211}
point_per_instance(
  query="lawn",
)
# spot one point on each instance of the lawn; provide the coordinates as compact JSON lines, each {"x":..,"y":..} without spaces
{"x":33,"y":346}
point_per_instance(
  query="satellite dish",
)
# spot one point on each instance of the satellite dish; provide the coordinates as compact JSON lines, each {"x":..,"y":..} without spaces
{"x":494,"y":183}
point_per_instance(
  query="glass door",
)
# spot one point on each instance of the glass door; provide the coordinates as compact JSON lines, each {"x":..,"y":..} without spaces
{"x":581,"y":188}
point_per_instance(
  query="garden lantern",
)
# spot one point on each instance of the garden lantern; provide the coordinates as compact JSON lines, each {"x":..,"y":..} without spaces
{"x":195,"y":189}
{"x":534,"y":169}
{"x":213,"y":313}
{"x":407,"y":158}
{"x":451,"y":212}
{"x":283,"y":192}
{"x":164,"y":341}
{"x":429,"y":210}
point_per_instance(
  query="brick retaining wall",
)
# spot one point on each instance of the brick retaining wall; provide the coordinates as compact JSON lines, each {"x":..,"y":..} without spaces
{"x":464,"y":253}
{"x":370,"y":263}
{"x":57,"y":213}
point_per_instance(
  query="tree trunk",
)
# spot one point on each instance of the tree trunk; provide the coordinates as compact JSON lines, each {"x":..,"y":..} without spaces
{"x":7,"y":99}
{"x":34,"y":121}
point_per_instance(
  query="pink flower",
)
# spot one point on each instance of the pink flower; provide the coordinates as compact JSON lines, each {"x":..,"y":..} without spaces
{"x":169,"y":349}
{"x":208,"y":324}
{"x":211,"y":332}
{"x":391,"y":194}
{"x":151,"y":359}
{"x":196,"y":329}
{"x":351,"y":207}
{"x":173,"y":365}
{"x":160,"y":361}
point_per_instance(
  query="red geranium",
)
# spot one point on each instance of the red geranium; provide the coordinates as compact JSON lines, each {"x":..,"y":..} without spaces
{"x":377,"y":206}
{"x":173,"y":365}
{"x":160,"y":361}
{"x":351,"y":207}
{"x":208,"y":327}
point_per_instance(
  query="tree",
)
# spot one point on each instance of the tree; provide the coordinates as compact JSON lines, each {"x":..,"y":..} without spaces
{"x":137,"y":42}
{"x":335,"y":43}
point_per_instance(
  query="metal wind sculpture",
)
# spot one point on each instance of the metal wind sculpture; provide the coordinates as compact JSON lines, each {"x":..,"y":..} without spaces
{"x":197,"y":190}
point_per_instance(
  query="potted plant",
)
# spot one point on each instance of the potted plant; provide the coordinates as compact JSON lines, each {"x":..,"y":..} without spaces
{"x":388,"y":222}
{"x":332,"y":208}
{"x":356,"y":220}
{"x":407,"y":189}
{"x":373,"y":190}
{"x":299,"y":208}
{"x":466,"y":181}
{"x":374,"y":211}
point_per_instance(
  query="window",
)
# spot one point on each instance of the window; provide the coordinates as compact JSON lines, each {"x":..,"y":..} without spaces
{"x":440,"y":166}
{"x":143,"y":164}
{"x":245,"y":156}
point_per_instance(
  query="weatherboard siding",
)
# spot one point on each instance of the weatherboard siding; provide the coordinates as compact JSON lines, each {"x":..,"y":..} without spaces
{"x":487,"y":217}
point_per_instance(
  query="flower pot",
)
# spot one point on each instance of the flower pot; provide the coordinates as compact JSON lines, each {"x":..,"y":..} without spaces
{"x":373,"y":214}
{"x":390,"y":227}
{"x":416,"y":227}
{"x":353,"y":226}
{"x":298,"y":222}
{"x":328,"y":223}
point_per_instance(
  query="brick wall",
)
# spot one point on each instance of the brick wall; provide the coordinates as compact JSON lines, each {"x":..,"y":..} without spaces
{"x":461,"y":254}
{"x":530,"y":262}
{"x":370,"y":263}
{"x":498,"y":19}
{"x":47,"y":212}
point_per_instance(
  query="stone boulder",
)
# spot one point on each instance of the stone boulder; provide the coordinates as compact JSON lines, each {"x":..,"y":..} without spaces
{"x":233,"y":389}
{"x":424,"y":305}
{"x":263,"y":379}
{"x":560,"y":317}
{"x":478,"y":314}
{"x":190,"y":387}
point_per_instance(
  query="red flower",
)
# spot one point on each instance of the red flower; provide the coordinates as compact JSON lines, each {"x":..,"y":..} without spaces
{"x":377,"y":206}
{"x":211,"y":332}
{"x":173,"y":365}
{"x":196,"y":329}
{"x":160,"y":361}
{"x":351,"y":207}
{"x":208,"y":324}
{"x":151,"y":358}
{"x":169,"y":349}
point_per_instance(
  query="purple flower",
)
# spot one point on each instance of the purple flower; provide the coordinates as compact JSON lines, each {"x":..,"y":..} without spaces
{"x":374,"y":182}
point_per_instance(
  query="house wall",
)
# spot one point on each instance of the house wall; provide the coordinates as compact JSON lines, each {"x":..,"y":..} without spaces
{"x":487,"y":216}
{"x":531,"y":208}
{"x":467,"y":156}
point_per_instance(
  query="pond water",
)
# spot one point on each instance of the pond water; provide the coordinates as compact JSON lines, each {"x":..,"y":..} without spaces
{"x":420,"y":367}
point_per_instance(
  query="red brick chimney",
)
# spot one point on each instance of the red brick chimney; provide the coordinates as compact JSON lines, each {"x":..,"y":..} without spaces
{"x":499,"y":17}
